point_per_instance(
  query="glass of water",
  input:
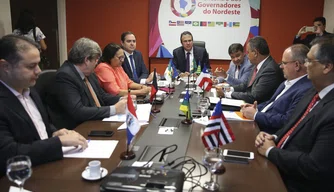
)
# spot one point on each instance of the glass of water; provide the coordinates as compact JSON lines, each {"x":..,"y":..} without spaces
{"x":203,"y":106}
{"x":226,"y":88}
{"x":19,"y":169}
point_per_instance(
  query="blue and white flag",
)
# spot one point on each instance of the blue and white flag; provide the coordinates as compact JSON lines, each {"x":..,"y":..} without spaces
{"x":132,"y":122}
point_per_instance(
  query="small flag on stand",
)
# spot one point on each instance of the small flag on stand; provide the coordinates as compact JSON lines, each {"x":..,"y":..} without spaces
{"x":185,"y":106}
{"x":218,"y":131}
{"x":199,"y":69}
{"x":204,"y":80}
{"x":154,"y":88}
{"x":132,"y":122}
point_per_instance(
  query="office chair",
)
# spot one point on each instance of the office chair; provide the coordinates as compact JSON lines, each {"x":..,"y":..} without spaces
{"x":199,"y":43}
{"x":43,"y":82}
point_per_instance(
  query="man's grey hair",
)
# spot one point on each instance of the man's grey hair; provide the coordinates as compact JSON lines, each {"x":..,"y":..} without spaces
{"x":84,"y":48}
{"x":299,"y":52}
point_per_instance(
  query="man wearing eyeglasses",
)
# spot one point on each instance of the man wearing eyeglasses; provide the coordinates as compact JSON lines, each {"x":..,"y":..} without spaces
{"x":318,"y":30}
{"x":76,"y":96}
{"x":272,"y":114}
{"x":134,"y":65}
{"x":303,"y":149}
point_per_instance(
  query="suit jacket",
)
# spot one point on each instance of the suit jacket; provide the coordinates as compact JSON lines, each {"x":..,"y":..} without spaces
{"x":140,"y":66}
{"x":281,"y":109}
{"x":18,"y":134}
{"x":308,"y":39}
{"x":180,"y":60}
{"x":70,"y":101}
{"x":306,"y":160}
{"x":244,"y":72}
{"x":267,"y":79}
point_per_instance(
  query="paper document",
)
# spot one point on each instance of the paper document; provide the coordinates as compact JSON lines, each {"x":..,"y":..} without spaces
{"x":97,"y":149}
{"x":226,"y":101}
{"x":143,"y":114}
{"x":235,"y":116}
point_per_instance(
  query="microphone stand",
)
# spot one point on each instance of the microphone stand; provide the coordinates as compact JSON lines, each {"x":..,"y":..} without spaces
{"x":155,"y":110}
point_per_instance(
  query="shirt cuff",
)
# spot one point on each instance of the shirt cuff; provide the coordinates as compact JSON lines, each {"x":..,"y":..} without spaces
{"x":229,"y":94}
{"x":143,"y":81}
{"x":268,"y":150}
{"x":112,"y":110}
{"x":226,"y":77}
{"x":220,"y":79}
{"x":297,"y":36}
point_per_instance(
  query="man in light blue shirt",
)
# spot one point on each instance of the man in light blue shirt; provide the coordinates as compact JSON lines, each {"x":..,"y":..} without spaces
{"x":240,"y":67}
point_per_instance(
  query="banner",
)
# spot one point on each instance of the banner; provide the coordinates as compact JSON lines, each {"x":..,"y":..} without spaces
{"x":218,"y":23}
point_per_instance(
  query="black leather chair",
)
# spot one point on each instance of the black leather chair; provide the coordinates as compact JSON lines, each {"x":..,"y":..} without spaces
{"x":46,"y":77}
{"x":199,"y":43}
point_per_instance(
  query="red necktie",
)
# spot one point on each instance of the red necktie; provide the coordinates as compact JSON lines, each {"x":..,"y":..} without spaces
{"x":253,"y":77}
{"x":309,"y":107}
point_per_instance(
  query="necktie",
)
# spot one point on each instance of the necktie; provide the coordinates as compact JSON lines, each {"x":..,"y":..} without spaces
{"x":135,"y":76}
{"x":90,"y":88}
{"x":253,"y":77}
{"x":188,"y":61}
{"x":309,"y":107}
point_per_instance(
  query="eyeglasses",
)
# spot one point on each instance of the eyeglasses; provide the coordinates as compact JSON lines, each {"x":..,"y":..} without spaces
{"x":286,"y":62}
{"x":307,"y":60}
{"x":121,"y":58}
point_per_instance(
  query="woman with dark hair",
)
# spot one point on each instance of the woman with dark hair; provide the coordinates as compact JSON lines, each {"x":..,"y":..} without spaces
{"x":26,"y":26}
{"x":111,"y":75}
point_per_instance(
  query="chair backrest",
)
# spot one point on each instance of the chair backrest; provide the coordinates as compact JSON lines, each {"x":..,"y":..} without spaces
{"x":43,"y":82}
{"x":199,"y":43}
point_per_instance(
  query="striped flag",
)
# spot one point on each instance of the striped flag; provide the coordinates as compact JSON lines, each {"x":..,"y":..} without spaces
{"x":218,"y":131}
{"x":185,"y":106}
{"x":154,"y":87}
{"x":132,"y":122}
{"x":204,"y":80}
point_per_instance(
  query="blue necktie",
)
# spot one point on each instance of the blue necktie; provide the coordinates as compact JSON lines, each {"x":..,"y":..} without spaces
{"x":135,"y":76}
{"x":188,"y":61}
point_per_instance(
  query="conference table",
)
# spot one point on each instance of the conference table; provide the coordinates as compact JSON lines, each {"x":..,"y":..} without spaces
{"x":65,"y":175}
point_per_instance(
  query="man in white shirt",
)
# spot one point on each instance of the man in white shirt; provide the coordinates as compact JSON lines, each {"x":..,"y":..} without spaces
{"x":24,"y":124}
{"x":303,"y":149}
{"x":272,"y":114}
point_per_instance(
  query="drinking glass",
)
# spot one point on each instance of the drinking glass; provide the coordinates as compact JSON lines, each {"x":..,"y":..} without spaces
{"x":19,"y":170}
{"x":203,"y":106}
{"x":213,"y":160}
{"x":226,"y":88}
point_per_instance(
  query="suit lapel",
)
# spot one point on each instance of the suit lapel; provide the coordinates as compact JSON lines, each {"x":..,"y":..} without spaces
{"x":9,"y":98}
{"x":135,"y":58}
{"x":127,"y":67}
{"x":315,"y":110}
{"x":81,"y":82}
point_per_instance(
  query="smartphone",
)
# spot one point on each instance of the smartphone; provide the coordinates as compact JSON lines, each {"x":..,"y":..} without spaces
{"x":229,"y":159}
{"x":310,"y":29}
{"x":240,"y":154}
{"x":100,"y":133}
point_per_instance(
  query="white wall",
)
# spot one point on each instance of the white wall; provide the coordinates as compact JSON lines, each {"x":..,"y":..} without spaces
{"x":5,"y":18}
{"x":329,"y":15}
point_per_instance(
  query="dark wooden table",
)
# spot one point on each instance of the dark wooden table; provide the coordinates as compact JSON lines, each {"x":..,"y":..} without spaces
{"x":65,"y":175}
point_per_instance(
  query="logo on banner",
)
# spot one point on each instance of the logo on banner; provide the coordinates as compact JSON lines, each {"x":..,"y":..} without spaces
{"x":182,"y":5}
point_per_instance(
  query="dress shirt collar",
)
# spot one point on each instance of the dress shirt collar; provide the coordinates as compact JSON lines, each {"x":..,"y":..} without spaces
{"x":261,"y":63}
{"x":326,"y":90}
{"x":191,"y":51}
{"x":127,"y":54}
{"x":26,"y":92}
{"x":80,"y":72}
{"x":293,"y":81}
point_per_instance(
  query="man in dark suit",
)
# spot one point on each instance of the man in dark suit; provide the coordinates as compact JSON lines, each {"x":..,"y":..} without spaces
{"x":76,"y":95}
{"x":240,"y":67}
{"x":303,"y":149}
{"x":272,"y":114}
{"x":24,"y":125}
{"x":319,"y":30}
{"x":265,"y":77}
{"x":134,"y":65}
{"x":184,"y":56}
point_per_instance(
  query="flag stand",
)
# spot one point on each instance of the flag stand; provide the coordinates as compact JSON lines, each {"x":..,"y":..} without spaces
{"x":155,"y":110}
{"x":128,"y":154}
{"x":186,"y":121}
